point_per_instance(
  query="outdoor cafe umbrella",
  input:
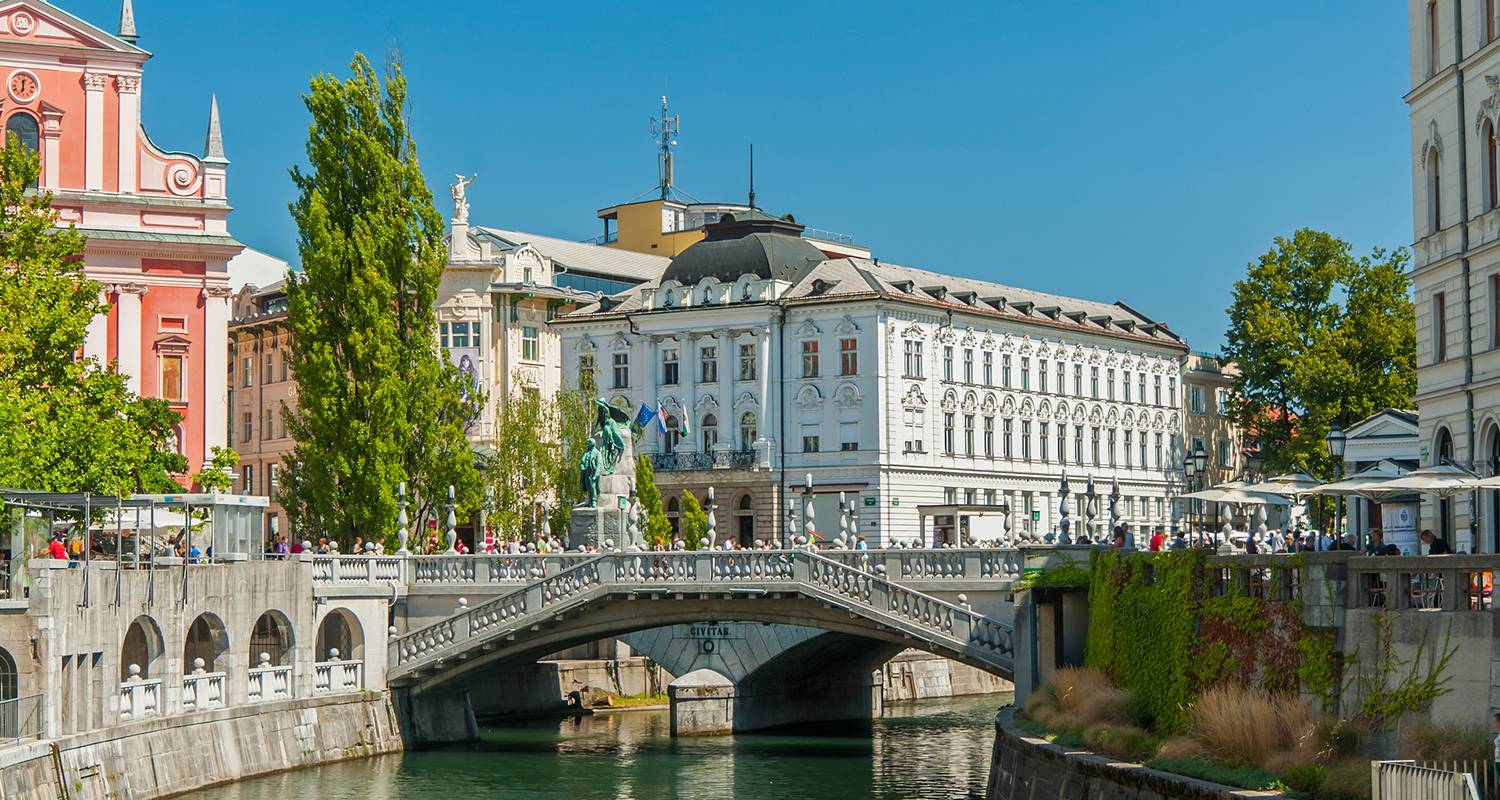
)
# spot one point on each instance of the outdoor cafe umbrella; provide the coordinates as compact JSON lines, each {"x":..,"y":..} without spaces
{"x":1358,"y":482}
{"x":1440,"y":481}
{"x":1236,"y":496}
{"x":1288,"y":485}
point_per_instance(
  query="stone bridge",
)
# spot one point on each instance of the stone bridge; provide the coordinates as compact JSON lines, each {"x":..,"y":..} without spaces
{"x":468,"y":616}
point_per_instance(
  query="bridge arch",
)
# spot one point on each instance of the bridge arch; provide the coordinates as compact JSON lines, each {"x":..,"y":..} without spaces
{"x":272,"y":635}
{"x":10,"y":677}
{"x":143,"y":647}
{"x":207,"y":639}
{"x":340,"y":630}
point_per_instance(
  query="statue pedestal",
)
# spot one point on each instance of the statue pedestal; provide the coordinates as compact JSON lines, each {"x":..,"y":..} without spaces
{"x":591,"y":525}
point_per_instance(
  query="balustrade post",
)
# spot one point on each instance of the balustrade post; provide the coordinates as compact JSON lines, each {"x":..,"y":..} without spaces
{"x":609,"y":570}
{"x":973,"y":561}
{"x":963,"y":627}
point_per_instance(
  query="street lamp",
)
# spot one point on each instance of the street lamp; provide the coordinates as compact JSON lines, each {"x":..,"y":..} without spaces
{"x":1190,"y":469}
{"x":1200,"y":465}
{"x":1336,"y":440}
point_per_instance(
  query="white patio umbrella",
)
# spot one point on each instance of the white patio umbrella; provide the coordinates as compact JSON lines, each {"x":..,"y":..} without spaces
{"x":1291,"y":484}
{"x":1359,"y":481}
{"x":1236,"y":496}
{"x":1440,"y":481}
{"x":1492,"y":482}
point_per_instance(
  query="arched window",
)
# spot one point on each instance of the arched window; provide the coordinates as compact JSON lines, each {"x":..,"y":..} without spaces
{"x":340,"y":638}
{"x":710,"y":432}
{"x":1446,"y":522}
{"x":747,"y":430}
{"x":206,"y":640}
{"x":271,"y":637}
{"x":26,"y":130}
{"x":673,"y":435}
{"x":744,"y":515}
{"x":1434,"y":192}
{"x":142,"y":649}
{"x":674,"y":513}
{"x":1491,"y":185}
{"x":10,"y":687}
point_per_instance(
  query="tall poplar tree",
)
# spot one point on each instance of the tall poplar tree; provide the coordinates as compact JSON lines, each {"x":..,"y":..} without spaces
{"x":377,"y":402}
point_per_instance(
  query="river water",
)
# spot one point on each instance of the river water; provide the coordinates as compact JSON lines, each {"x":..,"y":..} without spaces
{"x":936,"y":749}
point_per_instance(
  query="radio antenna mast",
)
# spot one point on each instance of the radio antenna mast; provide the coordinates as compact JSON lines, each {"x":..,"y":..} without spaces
{"x":665,"y":129}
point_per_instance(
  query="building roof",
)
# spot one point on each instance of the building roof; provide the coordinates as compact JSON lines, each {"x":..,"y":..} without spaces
{"x":749,"y":243}
{"x":1407,"y":416}
{"x":581,"y":256}
{"x":256,"y":268}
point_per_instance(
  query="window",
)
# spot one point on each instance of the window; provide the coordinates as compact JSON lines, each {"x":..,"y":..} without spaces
{"x":948,"y":433}
{"x":1157,"y":451}
{"x":1109,"y":383}
{"x":247,"y":372}
{"x":1005,"y":438}
{"x":1144,"y":463}
{"x":586,"y":369}
{"x":27,"y":132}
{"x":1111,"y":447}
{"x":1439,"y":327}
{"x":281,"y":418}
{"x":1141,"y":383}
{"x":460,"y":335}
{"x":747,"y":430}
{"x":443,"y":335}
{"x":1062,"y":378}
{"x":673,"y":436}
{"x":1432,"y":38}
{"x":948,"y":362}
{"x":1129,"y":434}
{"x":913,"y":362}
{"x":1489,"y":20}
{"x":968,"y":434}
{"x":173,"y":379}
{"x":271,"y":470}
{"x":246,"y":424}
{"x":1434,"y":191}
{"x":1196,"y":399}
{"x":950,"y":496}
{"x":1025,"y":372}
{"x":989,"y":369}
{"x":848,"y":436}
{"x":531,"y":343}
{"x":1042,"y":438}
{"x":809,"y":443}
{"x":989,"y":497}
{"x":969,"y":364}
{"x":621,"y":370}
{"x":265,"y":426}
{"x":1077,"y":444}
{"x":1125,"y":386}
{"x":1062,"y":443}
{"x":1223,"y":461}
{"x":916,"y":435}
{"x":1078,"y":380}
{"x":747,"y":362}
{"x":669,"y":367}
{"x":1025,"y":440}
{"x":971,"y":497}
{"x":1094,"y":382}
{"x":710,"y":432}
{"x":1491,"y":185}
{"x":526,"y":275}
{"x":247,"y":481}
{"x":708,"y":364}
{"x":989,"y":437}
{"x":810,"y":359}
{"x":1041,"y":375}
{"x":270,"y":366}
{"x":1172,"y":391}
{"x":1221,"y":402}
{"x":285,"y":365}
{"x":1094,"y":443}
{"x":849,"y":356}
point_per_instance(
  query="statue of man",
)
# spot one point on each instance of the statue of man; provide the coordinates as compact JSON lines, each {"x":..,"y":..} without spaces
{"x":588,"y":474}
{"x":460,"y":193}
{"x":609,"y":420}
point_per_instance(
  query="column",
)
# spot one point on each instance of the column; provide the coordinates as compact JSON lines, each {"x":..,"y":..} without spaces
{"x":128,"y":333}
{"x":648,"y":378}
{"x":96,"y":340}
{"x":94,"y":84}
{"x":215,"y":367}
{"x":729,"y":362}
{"x":763,"y":365}
{"x":130,"y":121}
{"x":687,"y":373}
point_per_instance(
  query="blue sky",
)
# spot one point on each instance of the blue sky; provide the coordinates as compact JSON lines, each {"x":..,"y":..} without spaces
{"x":1141,"y":151}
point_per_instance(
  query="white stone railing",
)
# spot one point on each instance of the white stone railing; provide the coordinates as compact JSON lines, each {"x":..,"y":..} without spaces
{"x":268,"y":682}
{"x":854,"y":585}
{"x":201,"y":690}
{"x":336,"y":676}
{"x":139,"y":698}
{"x":356,"y":569}
{"x":914,"y":564}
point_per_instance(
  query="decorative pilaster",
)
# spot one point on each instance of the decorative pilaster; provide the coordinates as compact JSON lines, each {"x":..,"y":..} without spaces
{"x":128,"y":332}
{"x":51,"y":146}
{"x":96,"y":340}
{"x":94,"y":86}
{"x":215,"y":368}
{"x":130,"y":124}
{"x":729,"y":361}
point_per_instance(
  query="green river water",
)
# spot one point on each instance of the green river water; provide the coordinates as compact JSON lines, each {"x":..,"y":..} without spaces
{"x":924,"y":749}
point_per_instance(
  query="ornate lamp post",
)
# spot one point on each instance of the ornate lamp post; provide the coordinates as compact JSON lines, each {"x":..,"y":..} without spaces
{"x":1336,"y":440}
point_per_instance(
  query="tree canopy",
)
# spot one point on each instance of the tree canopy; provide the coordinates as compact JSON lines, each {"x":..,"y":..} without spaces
{"x":66,"y":424}
{"x":377,"y":402}
{"x":1319,"y":337}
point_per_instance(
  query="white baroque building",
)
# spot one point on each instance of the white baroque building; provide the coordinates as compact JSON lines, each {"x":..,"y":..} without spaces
{"x":904,"y":391}
{"x":1454,"y":106}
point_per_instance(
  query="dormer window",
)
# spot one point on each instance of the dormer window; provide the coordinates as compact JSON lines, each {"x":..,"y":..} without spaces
{"x":936,"y":292}
{"x":967,"y":298}
{"x":905,"y":286}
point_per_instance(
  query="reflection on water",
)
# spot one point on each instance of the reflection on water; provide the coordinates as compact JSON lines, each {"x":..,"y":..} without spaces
{"x":925,"y":749}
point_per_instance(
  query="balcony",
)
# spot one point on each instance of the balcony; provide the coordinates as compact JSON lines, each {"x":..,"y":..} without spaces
{"x":686,"y":462}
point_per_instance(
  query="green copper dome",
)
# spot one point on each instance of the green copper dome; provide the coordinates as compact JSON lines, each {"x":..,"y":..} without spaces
{"x":750,"y":242}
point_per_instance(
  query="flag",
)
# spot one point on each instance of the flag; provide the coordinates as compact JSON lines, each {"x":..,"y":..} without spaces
{"x":661,"y":420}
{"x":686,"y":429}
{"x":644,"y":415}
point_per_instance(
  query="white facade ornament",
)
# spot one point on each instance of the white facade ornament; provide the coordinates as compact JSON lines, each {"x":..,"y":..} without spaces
{"x":460,"y":193}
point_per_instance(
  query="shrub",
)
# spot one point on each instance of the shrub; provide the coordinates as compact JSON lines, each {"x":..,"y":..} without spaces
{"x":1121,"y":741}
{"x":1087,"y":697}
{"x":1305,"y":778}
{"x":1179,"y":748}
{"x":1345,"y":780}
{"x":1242,"y":726}
{"x":1445,"y":742}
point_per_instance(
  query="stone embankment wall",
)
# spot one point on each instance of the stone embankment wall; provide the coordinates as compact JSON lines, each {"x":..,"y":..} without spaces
{"x":164,"y":756}
{"x":1024,"y":767}
{"x":915,"y":675}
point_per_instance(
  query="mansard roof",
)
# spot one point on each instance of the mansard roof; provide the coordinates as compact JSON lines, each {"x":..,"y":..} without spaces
{"x":572,"y":256}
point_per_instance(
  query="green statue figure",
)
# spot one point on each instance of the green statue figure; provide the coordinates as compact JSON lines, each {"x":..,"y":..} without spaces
{"x":608,"y":420}
{"x":588,"y":474}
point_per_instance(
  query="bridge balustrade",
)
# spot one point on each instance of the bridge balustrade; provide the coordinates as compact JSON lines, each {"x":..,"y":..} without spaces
{"x":202,"y":691}
{"x":140,"y":698}
{"x":335,"y":676}
{"x":269,"y":683}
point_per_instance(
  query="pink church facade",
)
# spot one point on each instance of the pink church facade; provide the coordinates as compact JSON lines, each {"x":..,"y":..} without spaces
{"x":156,"y":220}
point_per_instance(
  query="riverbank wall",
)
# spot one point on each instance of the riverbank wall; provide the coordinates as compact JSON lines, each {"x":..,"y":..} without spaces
{"x":165,"y":756}
{"x":1024,"y":767}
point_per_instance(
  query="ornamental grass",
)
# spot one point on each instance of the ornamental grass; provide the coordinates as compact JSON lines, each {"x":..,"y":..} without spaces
{"x":1242,"y":726}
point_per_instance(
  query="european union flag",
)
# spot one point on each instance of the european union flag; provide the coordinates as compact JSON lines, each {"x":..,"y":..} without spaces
{"x":644,"y":415}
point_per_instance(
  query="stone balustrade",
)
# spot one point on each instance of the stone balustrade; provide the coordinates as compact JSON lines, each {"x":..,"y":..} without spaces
{"x":202,"y":691}
{"x":140,"y":697}
{"x":335,"y":676}
{"x":269,"y":683}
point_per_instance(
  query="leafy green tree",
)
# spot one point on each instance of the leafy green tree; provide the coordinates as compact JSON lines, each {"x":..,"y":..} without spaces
{"x":1319,"y":337}
{"x":694,"y":522}
{"x":525,"y":466}
{"x":216,"y":474}
{"x":574,"y":425}
{"x":655,"y":528}
{"x":66,"y":424}
{"x":377,"y":403}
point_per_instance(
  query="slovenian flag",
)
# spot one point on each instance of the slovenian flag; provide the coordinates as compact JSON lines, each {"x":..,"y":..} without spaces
{"x":661,"y":420}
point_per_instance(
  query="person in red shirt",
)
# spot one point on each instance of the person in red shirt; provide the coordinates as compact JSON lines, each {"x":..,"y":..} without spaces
{"x":1157,"y":540}
{"x":57,"y":550}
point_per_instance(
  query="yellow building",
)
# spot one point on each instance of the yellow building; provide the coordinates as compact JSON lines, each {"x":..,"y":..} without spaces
{"x":667,"y":227}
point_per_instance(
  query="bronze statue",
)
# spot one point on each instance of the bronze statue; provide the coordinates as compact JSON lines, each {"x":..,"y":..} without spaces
{"x":608,"y":420}
{"x":588,"y":474}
